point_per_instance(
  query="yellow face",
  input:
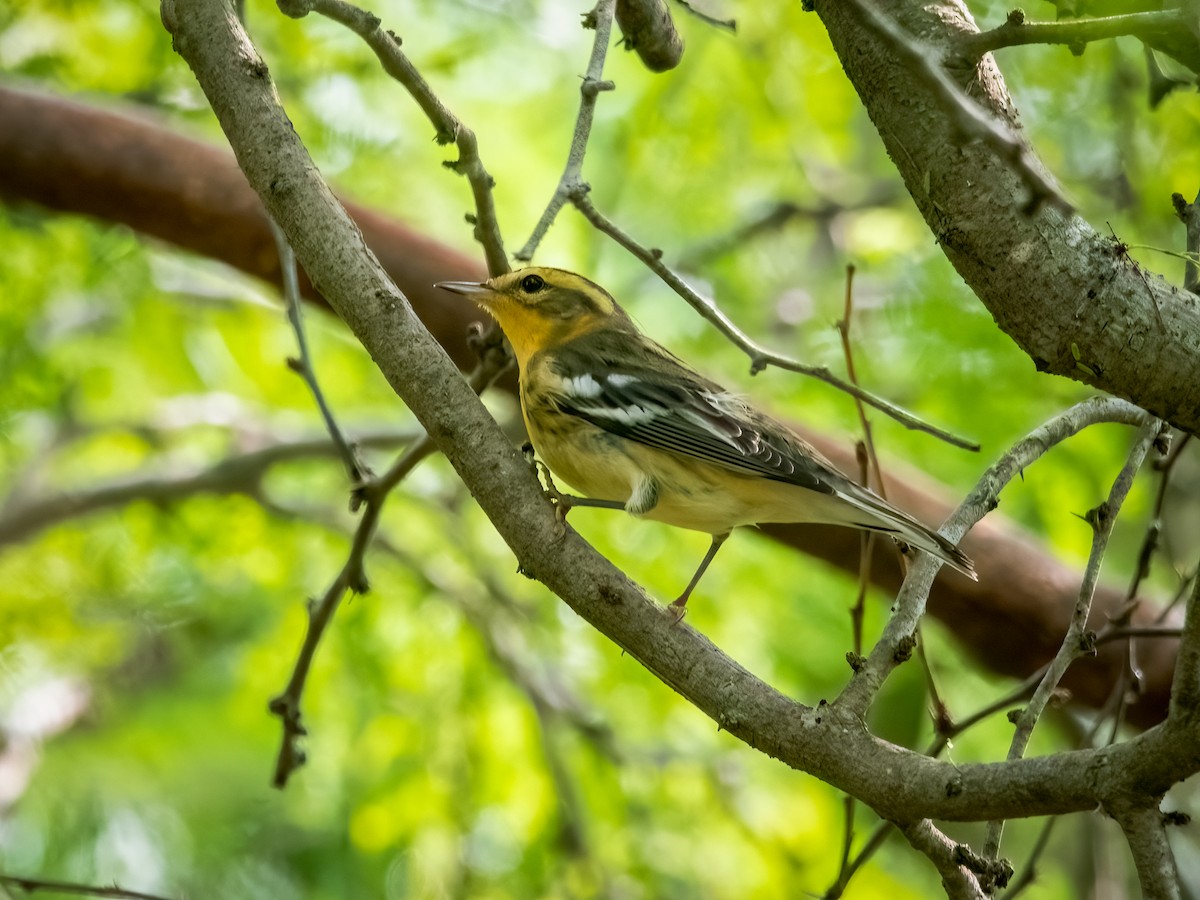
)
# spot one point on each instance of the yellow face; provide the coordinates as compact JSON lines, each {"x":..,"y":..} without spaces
{"x":539,"y":307}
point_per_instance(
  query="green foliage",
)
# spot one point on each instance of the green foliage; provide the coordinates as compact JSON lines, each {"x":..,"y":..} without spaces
{"x":432,"y":771}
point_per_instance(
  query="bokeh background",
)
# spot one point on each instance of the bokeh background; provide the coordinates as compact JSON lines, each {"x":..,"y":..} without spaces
{"x":470,"y":737}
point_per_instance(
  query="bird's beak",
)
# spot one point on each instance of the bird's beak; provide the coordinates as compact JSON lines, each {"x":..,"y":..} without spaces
{"x":476,"y":290}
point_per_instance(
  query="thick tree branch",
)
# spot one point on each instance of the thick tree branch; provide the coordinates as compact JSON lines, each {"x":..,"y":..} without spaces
{"x":832,"y":745}
{"x":1069,"y":297}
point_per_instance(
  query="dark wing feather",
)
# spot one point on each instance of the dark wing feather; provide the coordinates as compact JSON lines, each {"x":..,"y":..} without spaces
{"x":682,"y":412}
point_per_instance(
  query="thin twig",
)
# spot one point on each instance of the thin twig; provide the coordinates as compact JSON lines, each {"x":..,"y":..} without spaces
{"x":1029,"y":872}
{"x":729,"y":25}
{"x":952,"y":729}
{"x":968,"y":117}
{"x":869,"y":462}
{"x":760,"y":357}
{"x":1074,"y":33}
{"x":302,"y":365}
{"x":844,"y":874}
{"x":33,"y":885}
{"x":1076,"y":642}
{"x":1129,"y":684}
{"x":448,"y":127}
{"x":1185,"y":685}
{"x":494,"y":360}
{"x":848,"y":870}
{"x":600,"y":18}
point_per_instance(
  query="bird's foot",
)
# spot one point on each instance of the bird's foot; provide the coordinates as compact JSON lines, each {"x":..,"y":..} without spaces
{"x":677,"y":609}
{"x":562,"y":502}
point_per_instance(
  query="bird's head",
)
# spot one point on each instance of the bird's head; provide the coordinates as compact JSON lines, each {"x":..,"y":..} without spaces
{"x":540,"y":307}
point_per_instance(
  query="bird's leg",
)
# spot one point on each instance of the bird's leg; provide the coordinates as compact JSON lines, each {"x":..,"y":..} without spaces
{"x":679,"y":607}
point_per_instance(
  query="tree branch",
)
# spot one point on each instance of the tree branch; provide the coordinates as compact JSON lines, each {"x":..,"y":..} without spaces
{"x":969,"y":121}
{"x":896,"y":643}
{"x":241,"y":474}
{"x":449,"y":127}
{"x":33,"y":885}
{"x":1145,"y":831}
{"x":1061,"y":291}
{"x":827,"y":742}
{"x":1074,"y":33}
{"x":1075,"y":642}
{"x":760,"y":357}
{"x":600,"y":19}
{"x":958,"y":880}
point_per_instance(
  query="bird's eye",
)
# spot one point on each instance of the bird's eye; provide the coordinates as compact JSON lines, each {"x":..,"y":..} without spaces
{"x":531,"y":284}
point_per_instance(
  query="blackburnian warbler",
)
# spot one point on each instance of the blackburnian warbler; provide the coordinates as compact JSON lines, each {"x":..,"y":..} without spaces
{"x":621,"y":419}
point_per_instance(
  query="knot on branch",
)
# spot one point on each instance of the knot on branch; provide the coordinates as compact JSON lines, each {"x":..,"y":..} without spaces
{"x":904,"y":649}
{"x":993,"y":873}
{"x":593,"y":86}
{"x":294,"y":9}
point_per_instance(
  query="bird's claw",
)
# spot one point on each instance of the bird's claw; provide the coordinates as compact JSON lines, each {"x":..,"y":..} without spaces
{"x":677,"y":609}
{"x":562,"y":502}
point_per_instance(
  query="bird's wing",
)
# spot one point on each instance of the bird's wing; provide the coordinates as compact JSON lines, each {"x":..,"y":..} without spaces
{"x":678,"y":411}
{"x":672,"y":408}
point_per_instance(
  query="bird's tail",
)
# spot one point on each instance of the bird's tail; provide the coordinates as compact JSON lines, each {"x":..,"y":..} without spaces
{"x":883,"y":518}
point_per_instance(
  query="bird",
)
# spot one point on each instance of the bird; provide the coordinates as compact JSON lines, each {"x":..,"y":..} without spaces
{"x":623,"y":420}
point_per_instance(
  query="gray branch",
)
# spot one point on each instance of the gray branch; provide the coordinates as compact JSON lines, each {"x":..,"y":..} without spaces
{"x":829,"y":743}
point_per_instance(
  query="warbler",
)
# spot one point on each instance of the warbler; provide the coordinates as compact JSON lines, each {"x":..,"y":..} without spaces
{"x":632,"y":426}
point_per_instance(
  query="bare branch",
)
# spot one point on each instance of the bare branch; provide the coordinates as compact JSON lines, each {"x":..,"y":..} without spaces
{"x":600,"y":19}
{"x":760,"y":357}
{"x":1189,"y":215}
{"x":1185,"y":689}
{"x":1145,"y":830}
{"x":968,"y":117}
{"x":448,"y":126}
{"x":910,"y":604}
{"x":303,"y":365}
{"x":241,"y":474}
{"x":1053,"y":285}
{"x":33,"y":885}
{"x":1074,"y":33}
{"x":352,"y":576}
{"x":1076,"y":642}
